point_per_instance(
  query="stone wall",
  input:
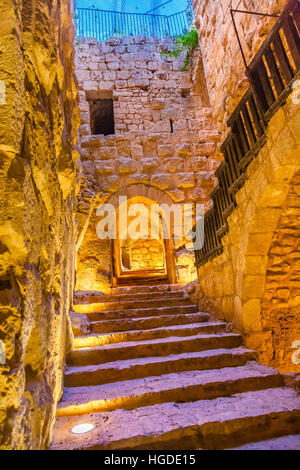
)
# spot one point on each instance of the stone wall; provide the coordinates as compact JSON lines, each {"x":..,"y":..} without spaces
{"x":281,"y":299}
{"x":176,"y":164}
{"x":148,"y":90}
{"x":38,"y":128}
{"x":255,"y":282}
{"x":223,"y":63}
{"x":146,"y":86}
{"x":145,"y":254}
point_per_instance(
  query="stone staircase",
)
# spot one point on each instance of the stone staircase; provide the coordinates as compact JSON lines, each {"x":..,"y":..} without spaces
{"x":154,"y":373}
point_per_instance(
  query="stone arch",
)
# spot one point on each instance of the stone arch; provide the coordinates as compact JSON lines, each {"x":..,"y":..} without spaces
{"x":135,"y":197}
{"x":141,"y":190}
{"x":158,"y":196}
{"x":131,"y":190}
{"x":184,"y":259}
{"x":93,"y":274}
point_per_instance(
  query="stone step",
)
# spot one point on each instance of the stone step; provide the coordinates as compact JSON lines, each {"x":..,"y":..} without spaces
{"x":146,"y":289}
{"x":207,"y":424}
{"x":141,"y":335}
{"x":142,"y":312}
{"x":149,"y":366}
{"x":176,"y":387}
{"x":291,"y":442}
{"x":144,"y":323}
{"x":86,"y":296}
{"x":153,"y":347}
{"x":98,"y":307}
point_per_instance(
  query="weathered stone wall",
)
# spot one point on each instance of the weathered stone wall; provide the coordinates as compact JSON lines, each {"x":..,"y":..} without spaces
{"x":223,"y":63}
{"x":145,"y":253}
{"x":146,"y":86}
{"x":281,"y":299}
{"x":148,"y":90}
{"x":38,"y":128}
{"x":254,"y":283}
{"x":179,"y":166}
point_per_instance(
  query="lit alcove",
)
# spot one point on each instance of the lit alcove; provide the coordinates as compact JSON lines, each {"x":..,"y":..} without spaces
{"x":146,"y":258}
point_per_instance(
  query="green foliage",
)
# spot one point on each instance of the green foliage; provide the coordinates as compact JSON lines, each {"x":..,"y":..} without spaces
{"x":118,"y":33}
{"x":187,"y":42}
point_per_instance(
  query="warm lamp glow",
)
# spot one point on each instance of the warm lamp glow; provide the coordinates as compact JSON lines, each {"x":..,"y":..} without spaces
{"x":82,"y":428}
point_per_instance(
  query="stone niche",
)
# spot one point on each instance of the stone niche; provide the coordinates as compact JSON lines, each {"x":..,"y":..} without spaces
{"x":101,"y":110}
{"x":145,"y":255}
{"x":38,"y":129}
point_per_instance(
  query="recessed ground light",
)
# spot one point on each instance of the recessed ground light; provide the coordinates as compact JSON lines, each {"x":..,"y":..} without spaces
{"x":82,"y":428}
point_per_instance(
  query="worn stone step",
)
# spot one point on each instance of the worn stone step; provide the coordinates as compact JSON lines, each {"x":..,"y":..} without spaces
{"x":141,"y":335}
{"x":144,"y":323}
{"x":142,"y":312}
{"x":149,"y":366}
{"x":176,"y":387}
{"x":291,"y":442}
{"x":91,"y":307}
{"x":153,"y":347}
{"x":92,"y":297}
{"x":146,"y":289}
{"x":207,"y":424}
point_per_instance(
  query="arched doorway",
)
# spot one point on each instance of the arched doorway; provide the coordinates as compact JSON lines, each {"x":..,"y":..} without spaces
{"x":145,"y":256}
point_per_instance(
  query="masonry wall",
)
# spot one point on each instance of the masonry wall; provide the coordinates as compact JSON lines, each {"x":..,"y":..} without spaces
{"x":148,"y":90}
{"x":38,"y":127}
{"x":254,"y":283}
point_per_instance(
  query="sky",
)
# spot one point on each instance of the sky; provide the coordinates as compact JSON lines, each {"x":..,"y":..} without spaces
{"x":137,"y":6}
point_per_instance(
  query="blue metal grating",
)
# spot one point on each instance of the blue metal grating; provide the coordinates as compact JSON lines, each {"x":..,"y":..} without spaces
{"x":101,"y":23}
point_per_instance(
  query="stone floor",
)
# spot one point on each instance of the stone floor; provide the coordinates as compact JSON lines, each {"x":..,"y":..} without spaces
{"x":154,"y":373}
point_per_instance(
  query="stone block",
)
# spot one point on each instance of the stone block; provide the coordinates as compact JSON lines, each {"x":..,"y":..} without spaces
{"x":185,"y":180}
{"x":109,"y":184}
{"x":184,"y":150}
{"x":149,"y":164}
{"x":162,"y":181}
{"x":173,"y":165}
{"x":165,"y":151}
{"x":176,"y":195}
{"x":126,"y":165}
{"x":90,"y":85}
{"x":158,"y":103}
{"x":199,"y":164}
{"x":205,"y":149}
{"x":105,"y":167}
{"x":150,"y":147}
